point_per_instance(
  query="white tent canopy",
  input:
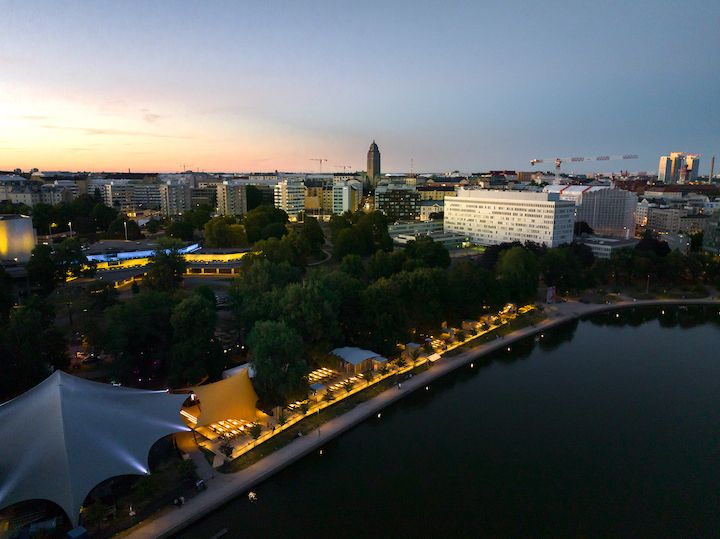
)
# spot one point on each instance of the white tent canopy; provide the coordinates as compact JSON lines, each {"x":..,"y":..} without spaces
{"x":66,"y":435}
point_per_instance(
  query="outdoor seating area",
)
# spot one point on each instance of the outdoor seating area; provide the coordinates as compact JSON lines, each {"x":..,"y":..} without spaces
{"x":229,"y":429}
{"x":295,"y":405}
{"x":337,"y":386}
{"x":321,"y":374}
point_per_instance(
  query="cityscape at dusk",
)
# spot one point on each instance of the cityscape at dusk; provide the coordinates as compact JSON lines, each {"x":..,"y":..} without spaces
{"x":338,"y":269}
{"x":237,"y":86}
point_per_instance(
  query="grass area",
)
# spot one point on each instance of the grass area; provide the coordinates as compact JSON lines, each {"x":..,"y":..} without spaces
{"x":693,"y":292}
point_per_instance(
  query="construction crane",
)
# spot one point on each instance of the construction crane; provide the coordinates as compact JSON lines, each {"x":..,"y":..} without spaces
{"x":344,"y":167}
{"x":560,"y":160}
{"x":319,"y":160}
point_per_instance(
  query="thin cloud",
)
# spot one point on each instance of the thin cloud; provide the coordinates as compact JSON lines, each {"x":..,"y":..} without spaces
{"x":33,"y":117}
{"x":151,"y":118}
{"x":112,"y":132}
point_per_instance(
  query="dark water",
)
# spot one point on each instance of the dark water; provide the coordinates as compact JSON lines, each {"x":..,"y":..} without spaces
{"x":606,"y":427}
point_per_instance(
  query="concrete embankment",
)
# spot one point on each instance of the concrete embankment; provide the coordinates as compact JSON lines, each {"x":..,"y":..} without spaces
{"x":223,"y":488}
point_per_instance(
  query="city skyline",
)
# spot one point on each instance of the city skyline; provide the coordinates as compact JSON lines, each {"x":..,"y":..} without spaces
{"x":223,"y":87}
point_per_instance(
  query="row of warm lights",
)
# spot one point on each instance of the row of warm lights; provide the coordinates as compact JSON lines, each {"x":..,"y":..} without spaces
{"x":295,"y":404}
{"x":189,"y":416}
{"x":228,"y":428}
{"x":321,"y":374}
{"x":341,"y":384}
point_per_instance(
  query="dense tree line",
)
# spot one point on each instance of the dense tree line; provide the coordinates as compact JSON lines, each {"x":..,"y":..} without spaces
{"x":376,"y":298}
{"x":87,"y":214}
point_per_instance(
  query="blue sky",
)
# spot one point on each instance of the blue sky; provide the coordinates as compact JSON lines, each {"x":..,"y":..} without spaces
{"x":221,"y":85}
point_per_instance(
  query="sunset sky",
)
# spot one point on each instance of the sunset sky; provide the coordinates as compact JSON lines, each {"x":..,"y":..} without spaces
{"x":252,"y":86}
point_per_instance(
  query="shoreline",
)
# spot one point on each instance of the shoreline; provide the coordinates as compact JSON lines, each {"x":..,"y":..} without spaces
{"x":223,"y":488}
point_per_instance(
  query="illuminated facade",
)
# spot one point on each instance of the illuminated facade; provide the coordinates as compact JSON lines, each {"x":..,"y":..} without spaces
{"x":17,"y":238}
{"x":492,"y":217}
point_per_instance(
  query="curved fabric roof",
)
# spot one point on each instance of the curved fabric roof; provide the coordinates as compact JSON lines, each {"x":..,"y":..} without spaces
{"x":66,"y":435}
{"x":232,"y":398}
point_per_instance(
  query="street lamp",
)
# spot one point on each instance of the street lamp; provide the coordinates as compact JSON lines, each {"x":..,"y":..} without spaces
{"x":125,"y":224}
{"x":70,"y":225}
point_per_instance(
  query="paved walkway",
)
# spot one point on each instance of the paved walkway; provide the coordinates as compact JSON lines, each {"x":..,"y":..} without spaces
{"x":224,"y":487}
{"x":186,"y":443}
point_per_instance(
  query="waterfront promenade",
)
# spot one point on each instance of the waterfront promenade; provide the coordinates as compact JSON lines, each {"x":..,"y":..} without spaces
{"x":224,"y":487}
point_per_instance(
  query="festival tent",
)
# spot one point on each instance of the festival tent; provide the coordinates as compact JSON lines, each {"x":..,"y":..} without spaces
{"x":357,"y":360}
{"x":66,"y":435}
{"x":231,"y":398}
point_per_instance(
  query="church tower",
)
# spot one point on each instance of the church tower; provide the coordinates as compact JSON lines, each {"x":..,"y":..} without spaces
{"x":373,"y":164}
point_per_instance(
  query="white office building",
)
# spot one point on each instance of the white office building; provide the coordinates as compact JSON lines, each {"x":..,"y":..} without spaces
{"x":490,"y":217}
{"x":609,"y":212}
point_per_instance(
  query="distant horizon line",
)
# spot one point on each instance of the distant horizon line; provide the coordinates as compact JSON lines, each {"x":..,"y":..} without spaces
{"x":333,"y":173}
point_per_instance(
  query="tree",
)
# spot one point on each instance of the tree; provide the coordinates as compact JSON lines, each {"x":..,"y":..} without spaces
{"x":30,"y":346}
{"x":118,"y":226}
{"x":153,"y":226}
{"x":254,"y":431}
{"x":103,"y":216}
{"x":224,"y":231}
{"x":256,"y":294}
{"x":312,"y":309}
{"x":425,"y":252}
{"x":258,"y":223}
{"x":518,"y":271}
{"x":649,"y":243}
{"x":196,"y":354}
{"x":280,"y":368}
{"x":41,"y":268}
{"x":139,"y":334}
{"x":70,"y":260}
{"x":167,"y":267}
{"x":696,"y":241}
{"x":348,"y":242}
{"x":312,"y":232}
{"x":7,"y":297}
{"x":353,"y":265}
{"x":254,"y":197}
{"x":581,"y":227}
{"x":181,"y":230}
{"x":470,"y":289}
{"x":198,"y":216}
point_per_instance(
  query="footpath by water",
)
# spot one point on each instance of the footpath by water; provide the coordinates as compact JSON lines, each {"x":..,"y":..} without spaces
{"x":251,"y":476}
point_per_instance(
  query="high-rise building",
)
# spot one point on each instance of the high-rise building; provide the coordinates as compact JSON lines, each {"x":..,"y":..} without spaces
{"x":692,"y":164}
{"x":398,"y":201}
{"x":609,"y":212}
{"x":231,"y":198}
{"x":373,"y":163}
{"x":490,"y":217}
{"x":346,"y":196}
{"x":290,"y":195}
{"x":678,"y":167}
{"x":665,"y":170}
{"x":175,"y":197}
